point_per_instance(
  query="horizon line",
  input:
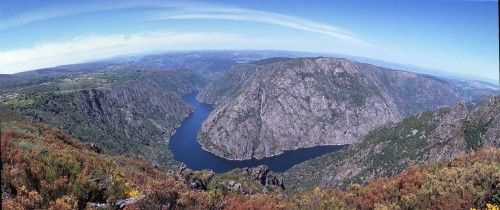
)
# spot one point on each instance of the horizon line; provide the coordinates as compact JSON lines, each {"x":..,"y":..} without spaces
{"x":429,"y":70}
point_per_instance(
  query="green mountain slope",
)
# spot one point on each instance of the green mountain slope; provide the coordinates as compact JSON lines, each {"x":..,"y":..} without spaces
{"x":126,"y":112}
{"x":427,"y":137}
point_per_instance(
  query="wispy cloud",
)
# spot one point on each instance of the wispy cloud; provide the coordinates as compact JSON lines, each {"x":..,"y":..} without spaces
{"x":95,"y":47}
{"x":75,"y":8}
{"x":185,"y":10}
{"x":240,"y":14}
{"x":47,"y":54}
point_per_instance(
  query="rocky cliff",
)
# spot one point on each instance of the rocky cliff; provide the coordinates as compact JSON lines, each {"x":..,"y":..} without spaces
{"x":427,"y":137}
{"x":266,"y":107}
{"x":134,"y":118}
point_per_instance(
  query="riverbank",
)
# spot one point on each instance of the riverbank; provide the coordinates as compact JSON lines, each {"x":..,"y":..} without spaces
{"x":186,"y":149}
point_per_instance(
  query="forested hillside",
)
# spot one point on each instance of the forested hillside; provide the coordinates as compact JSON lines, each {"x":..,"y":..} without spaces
{"x":125,"y":112}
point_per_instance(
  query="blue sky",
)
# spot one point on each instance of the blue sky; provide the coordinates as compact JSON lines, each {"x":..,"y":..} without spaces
{"x":453,"y":36}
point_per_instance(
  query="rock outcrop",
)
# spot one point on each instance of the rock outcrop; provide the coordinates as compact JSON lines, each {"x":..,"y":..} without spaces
{"x":123,"y":203}
{"x":263,"y":175}
{"x":194,"y":179}
{"x":264,"y":108}
{"x":249,"y":181}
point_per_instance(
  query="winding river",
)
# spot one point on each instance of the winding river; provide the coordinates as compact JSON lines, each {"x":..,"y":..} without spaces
{"x":187,"y":150}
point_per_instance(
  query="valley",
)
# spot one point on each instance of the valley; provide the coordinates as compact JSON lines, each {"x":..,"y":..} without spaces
{"x":186,"y":149}
{"x":249,"y":129}
{"x":267,"y":107}
{"x":44,"y":167}
{"x":249,"y":105}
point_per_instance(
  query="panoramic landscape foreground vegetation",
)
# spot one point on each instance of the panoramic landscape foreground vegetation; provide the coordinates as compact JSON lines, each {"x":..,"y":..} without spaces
{"x":43,"y":167}
{"x":249,"y":105}
{"x":95,"y":136}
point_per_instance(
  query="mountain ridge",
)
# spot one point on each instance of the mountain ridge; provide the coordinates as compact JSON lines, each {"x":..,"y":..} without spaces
{"x":262,"y":110}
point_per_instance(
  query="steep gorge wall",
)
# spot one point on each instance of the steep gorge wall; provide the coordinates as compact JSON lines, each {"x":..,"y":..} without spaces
{"x":133,"y":118}
{"x":264,"y":109}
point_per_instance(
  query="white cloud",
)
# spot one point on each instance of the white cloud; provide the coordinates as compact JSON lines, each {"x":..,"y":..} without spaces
{"x":239,"y":14}
{"x":75,"y":8}
{"x":185,"y":10}
{"x":95,"y":47}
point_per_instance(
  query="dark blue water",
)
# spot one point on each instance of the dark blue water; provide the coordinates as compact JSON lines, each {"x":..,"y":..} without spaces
{"x":186,"y":149}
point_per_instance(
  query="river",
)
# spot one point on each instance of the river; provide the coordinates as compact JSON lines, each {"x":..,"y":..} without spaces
{"x":187,"y":150}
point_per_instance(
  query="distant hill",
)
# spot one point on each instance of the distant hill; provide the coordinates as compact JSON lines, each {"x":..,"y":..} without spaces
{"x":212,"y":63}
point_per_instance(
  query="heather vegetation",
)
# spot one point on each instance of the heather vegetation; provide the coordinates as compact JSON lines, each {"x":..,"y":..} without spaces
{"x":468,"y":181}
{"x":43,"y":167}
